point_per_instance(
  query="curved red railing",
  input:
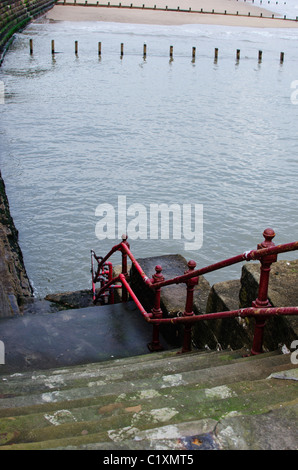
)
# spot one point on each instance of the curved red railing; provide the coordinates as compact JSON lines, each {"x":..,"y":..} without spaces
{"x":261,"y":308}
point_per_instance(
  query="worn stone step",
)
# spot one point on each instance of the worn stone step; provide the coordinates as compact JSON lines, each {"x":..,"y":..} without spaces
{"x":151,"y":361}
{"x":119,"y":420}
{"x":130,"y":377}
{"x":149,"y":365}
{"x":274,"y":430}
{"x":244,"y":369}
{"x":178,"y":400}
{"x":113,"y":402}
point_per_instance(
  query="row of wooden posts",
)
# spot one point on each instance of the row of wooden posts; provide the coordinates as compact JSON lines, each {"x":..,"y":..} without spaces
{"x":260,"y":54}
{"x":166,"y":8}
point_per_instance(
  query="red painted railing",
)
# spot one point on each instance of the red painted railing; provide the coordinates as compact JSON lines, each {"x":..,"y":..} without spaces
{"x":261,"y":308}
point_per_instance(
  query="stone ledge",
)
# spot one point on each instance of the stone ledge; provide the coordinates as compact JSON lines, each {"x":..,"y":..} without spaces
{"x":282,"y":292}
{"x":229,"y":332}
{"x":173,"y":297}
{"x":71,"y":300}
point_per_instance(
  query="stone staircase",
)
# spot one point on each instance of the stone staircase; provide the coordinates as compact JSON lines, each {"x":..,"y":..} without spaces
{"x":80,"y":377}
{"x":160,"y":401}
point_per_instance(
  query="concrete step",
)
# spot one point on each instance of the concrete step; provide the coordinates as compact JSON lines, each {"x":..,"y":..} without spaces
{"x":72,"y":337}
{"x":162,"y":401}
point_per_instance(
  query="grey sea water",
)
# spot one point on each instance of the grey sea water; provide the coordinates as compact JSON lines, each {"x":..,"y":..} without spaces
{"x":79,"y":131}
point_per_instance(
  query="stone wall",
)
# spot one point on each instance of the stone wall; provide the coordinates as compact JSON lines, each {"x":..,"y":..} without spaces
{"x":232,"y":295}
{"x":14,"y":283}
{"x":15,"y":287}
{"x":15,"y":15}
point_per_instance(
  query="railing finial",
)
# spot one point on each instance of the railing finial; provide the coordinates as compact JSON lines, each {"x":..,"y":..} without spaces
{"x":157,"y":277}
{"x":268,"y":234}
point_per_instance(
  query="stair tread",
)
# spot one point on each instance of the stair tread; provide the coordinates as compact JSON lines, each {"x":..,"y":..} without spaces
{"x":50,"y":389}
{"x":118,"y":429}
{"x":125,"y":402}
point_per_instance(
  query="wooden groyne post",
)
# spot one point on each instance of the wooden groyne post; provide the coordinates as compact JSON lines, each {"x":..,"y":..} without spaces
{"x":193,"y":54}
{"x":282,"y":56}
{"x":260,"y":56}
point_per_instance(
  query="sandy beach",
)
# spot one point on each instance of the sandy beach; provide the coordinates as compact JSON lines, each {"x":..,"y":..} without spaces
{"x":249,"y":15}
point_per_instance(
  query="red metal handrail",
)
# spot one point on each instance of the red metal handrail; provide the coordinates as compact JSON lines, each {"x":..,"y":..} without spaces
{"x":246,"y":256}
{"x":261,"y":309}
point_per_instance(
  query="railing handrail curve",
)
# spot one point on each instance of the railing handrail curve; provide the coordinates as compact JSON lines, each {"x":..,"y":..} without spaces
{"x":250,"y":255}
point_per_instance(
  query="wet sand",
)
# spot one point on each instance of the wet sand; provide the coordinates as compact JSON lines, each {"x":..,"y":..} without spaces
{"x":126,"y":14}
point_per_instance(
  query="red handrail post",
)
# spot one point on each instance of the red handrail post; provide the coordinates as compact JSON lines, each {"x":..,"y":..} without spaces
{"x":262,"y":299}
{"x":190,"y":285}
{"x":124,"y":267}
{"x":110,"y":277}
{"x":156,"y":311}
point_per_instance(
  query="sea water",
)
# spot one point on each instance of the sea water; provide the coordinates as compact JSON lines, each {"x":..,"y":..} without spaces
{"x":81,"y":131}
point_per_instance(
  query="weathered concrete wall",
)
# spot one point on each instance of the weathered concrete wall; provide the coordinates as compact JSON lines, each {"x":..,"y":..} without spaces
{"x":282,"y":292}
{"x":235,"y":294}
{"x":15,"y":15}
{"x":14,"y":283}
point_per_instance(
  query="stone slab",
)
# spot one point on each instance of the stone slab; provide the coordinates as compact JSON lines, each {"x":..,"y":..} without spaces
{"x":275,"y":430}
{"x":282,"y":292}
{"x":229,"y":332}
{"x":69,"y":300}
{"x":173,"y":297}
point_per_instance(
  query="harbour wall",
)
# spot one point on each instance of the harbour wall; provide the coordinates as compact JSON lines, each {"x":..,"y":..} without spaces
{"x":15,"y":15}
{"x":15,"y":286}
